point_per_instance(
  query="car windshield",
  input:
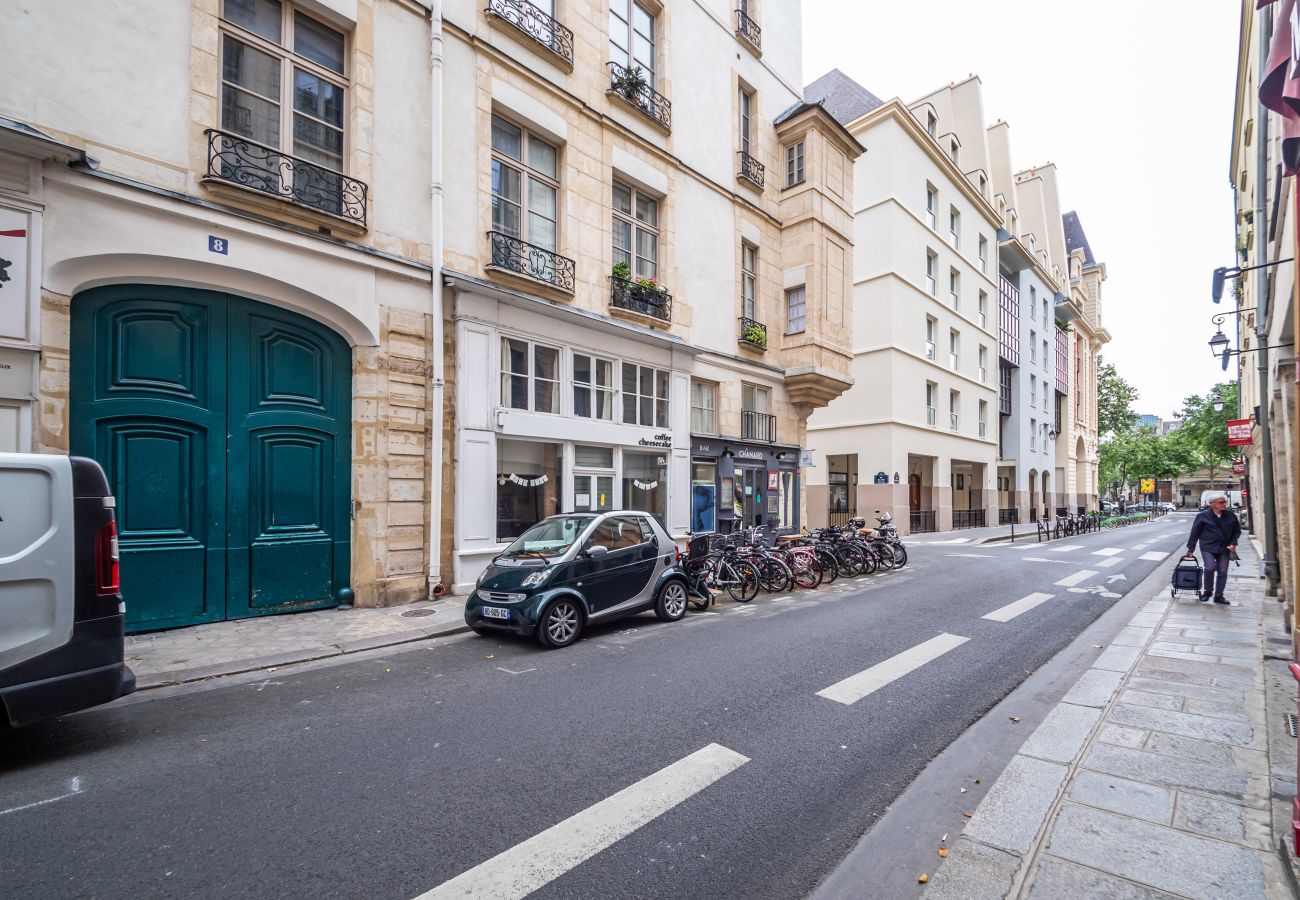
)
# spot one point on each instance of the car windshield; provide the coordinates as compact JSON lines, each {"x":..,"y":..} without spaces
{"x":549,"y":537}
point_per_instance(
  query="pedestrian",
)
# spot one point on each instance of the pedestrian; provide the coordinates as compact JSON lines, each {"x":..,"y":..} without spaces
{"x":1217,"y":531}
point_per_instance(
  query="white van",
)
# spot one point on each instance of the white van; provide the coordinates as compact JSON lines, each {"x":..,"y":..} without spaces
{"x":1235,"y":500}
{"x":61,"y":609}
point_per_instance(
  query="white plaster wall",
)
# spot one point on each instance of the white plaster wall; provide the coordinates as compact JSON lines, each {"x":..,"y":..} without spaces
{"x":401,"y":124}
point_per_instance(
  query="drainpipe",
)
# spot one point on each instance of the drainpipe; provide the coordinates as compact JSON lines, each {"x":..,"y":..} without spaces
{"x":436,"y":587}
{"x":1271,"y":569}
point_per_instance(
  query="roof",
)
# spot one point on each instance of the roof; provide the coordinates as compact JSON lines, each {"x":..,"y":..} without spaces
{"x":841,"y":96}
{"x":1075,"y":239}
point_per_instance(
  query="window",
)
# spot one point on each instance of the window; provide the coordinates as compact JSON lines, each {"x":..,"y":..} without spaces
{"x":931,"y":204}
{"x":931,"y":325}
{"x":528,"y":485}
{"x":931,"y":389}
{"x":283,"y":85}
{"x":593,"y":387}
{"x":593,"y":489}
{"x":984,"y":254}
{"x":704,"y":405}
{"x":1033,"y":302}
{"x":1046,"y":355}
{"x":645,"y":396}
{"x":954,"y":288}
{"x":984,"y":364}
{"x":524,"y":185}
{"x":954,"y":407}
{"x":530,"y":376}
{"x":756,"y":421}
{"x":984,"y":309}
{"x":1033,"y":434}
{"x":984,"y":183}
{"x":645,"y":482}
{"x":755,"y":399}
{"x":704,"y":495}
{"x":931,"y":123}
{"x":984,"y":418}
{"x":748,"y":279}
{"x":632,"y":37}
{"x":794,"y":165}
{"x":1033,"y":346}
{"x":1033,"y":391}
{"x":954,"y":227}
{"x":931,"y":265}
{"x":636,"y":231}
{"x":952,"y":150}
{"x":1044,"y":311}
{"x":954,"y":349}
{"x":745,"y":103}
{"x":796,"y":310}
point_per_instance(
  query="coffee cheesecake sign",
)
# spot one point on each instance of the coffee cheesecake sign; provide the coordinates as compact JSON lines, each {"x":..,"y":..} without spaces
{"x":664,"y":440}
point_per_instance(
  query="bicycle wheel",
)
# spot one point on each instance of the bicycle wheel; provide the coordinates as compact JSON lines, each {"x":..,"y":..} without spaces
{"x":809,"y":575}
{"x":742,"y":580}
{"x":830,"y":568}
{"x":850,"y":561}
{"x":775,"y":575}
{"x":870,"y":560}
{"x":900,"y":556}
{"x":884,"y":561}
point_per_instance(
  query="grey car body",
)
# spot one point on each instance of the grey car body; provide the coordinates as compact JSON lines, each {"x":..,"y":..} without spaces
{"x":612,"y":564}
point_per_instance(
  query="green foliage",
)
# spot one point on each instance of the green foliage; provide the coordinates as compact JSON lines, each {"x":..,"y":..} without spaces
{"x":1141,"y":453}
{"x":1115,"y":398}
{"x":631,"y":84}
{"x":1203,"y":434}
{"x":753,"y":334}
{"x":622,"y":270}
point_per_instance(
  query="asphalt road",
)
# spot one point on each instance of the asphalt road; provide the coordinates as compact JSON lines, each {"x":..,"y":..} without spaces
{"x":389,"y":776}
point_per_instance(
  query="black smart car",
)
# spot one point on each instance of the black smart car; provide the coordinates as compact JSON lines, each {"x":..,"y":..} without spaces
{"x":572,"y":569}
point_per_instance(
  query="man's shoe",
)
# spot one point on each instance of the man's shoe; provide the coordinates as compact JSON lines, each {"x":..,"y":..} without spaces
{"x":1223,"y":601}
{"x":1204,"y":598}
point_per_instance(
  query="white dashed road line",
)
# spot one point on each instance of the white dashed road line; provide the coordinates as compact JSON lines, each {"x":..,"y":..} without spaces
{"x":1110,"y":561}
{"x":868,"y":681}
{"x":541,"y":859}
{"x":1011,"y":610}
{"x":1154,"y":555}
{"x":1072,"y":580}
{"x":1067,"y":548}
{"x":1108,"y":551}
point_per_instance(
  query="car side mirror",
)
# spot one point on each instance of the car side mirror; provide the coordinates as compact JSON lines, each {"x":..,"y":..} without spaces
{"x":595,"y":551}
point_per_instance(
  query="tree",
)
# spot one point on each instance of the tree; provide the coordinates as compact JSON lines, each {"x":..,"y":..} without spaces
{"x":1204,"y":432}
{"x":1115,"y":398}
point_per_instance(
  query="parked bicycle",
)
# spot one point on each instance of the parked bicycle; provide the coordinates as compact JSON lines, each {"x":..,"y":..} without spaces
{"x":715,"y":570}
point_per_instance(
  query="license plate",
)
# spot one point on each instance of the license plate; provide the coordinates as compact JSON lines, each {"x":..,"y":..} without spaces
{"x":495,"y":612}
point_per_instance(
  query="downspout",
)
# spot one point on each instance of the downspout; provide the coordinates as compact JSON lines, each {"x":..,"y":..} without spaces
{"x":1271,"y":569}
{"x":435,"y":585}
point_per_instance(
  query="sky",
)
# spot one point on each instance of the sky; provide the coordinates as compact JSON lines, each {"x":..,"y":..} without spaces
{"x":1133,"y":101}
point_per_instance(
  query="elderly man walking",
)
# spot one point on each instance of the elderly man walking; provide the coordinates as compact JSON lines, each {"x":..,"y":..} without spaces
{"x":1217,"y":530}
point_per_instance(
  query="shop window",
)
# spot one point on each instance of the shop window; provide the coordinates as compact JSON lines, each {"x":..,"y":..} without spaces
{"x":704,"y":496}
{"x":593,"y":387}
{"x":528,"y":485}
{"x":789,"y":516}
{"x":530,"y":376}
{"x":645,"y":482}
{"x":645,"y":396}
{"x":593,"y":479}
{"x":704,"y":407}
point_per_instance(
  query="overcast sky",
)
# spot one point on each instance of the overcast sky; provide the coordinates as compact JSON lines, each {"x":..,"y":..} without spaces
{"x":1133,"y":101}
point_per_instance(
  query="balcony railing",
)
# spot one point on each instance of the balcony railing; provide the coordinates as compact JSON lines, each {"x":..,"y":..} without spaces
{"x":922,"y":521}
{"x":248,"y":164}
{"x":638,"y":298}
{"x":538,"y":263}
{"x":753,"y":333}
{"x":984,"y":429}
{"x":748,"y":29}
{"x":929,"y":415}
{"x":536,"y":24}
{"x":757,"y":426}
{"x":929,"y":350}
{"x":630,"y":84}
{"x":952,"y":421}
{"x":750,"y":169}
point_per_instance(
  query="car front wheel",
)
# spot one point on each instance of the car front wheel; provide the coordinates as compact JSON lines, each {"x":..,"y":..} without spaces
{"x":671,"y":603}
{"x":561,"y":623}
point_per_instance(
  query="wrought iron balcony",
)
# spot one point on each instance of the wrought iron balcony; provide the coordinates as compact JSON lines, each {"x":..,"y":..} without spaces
{"x":748,"y":29}
{"x":757,"y":426}
{"x":638,"y":298}
{"x":538,"y":263}
{"x":630,"y":84}
{"x":536,"y":24}
{"x":753,"y":333}
{"x":750,"y":169}
{"x":248,"y":164}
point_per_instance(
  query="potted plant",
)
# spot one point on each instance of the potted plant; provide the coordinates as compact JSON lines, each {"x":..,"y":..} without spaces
{"x":755,"y":335}
{"x":631,"y":84}
{"x":622,"y":271}
{"x":1243,"y":245}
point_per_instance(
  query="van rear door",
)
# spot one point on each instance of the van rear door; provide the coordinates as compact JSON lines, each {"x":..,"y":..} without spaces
{"x":37,"y":543}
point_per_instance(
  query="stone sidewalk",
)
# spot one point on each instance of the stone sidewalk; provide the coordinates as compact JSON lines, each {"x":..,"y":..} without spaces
{"x":226,"y":648}
{"x":1151,"y":778}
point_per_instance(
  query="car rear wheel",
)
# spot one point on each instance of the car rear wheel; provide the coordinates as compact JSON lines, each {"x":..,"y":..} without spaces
{"x":561,"y":623}
{"x":671,"y":603}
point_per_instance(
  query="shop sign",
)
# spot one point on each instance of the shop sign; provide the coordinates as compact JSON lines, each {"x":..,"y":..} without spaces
{"x":1238,"y":467}
{"x":750,"y":454}
{"x":805,"y":458}
{"x":881,"y":478}
{"x":664,"y":440}
{"x":1239,"y":433}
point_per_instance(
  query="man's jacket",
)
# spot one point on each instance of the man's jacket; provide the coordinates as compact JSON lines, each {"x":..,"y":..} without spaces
{"x":1215,"y":533}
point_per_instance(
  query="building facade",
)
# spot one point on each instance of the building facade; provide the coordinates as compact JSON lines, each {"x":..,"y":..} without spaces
{"x":223,"y":291}
{"x":648,"y":278}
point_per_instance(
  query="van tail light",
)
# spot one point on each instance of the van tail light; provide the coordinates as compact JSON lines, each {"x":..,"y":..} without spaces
{"x":107,"y":580}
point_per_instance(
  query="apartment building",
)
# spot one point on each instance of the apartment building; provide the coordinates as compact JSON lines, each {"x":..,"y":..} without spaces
{"x":217,"y":224}
{"x":917,"y":432}
{"x":1078,"y":447}
{"x":648,"y":276}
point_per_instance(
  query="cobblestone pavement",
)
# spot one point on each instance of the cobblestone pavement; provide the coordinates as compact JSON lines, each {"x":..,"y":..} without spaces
{"x":223,"y":648}
{"x":1151,"y":778}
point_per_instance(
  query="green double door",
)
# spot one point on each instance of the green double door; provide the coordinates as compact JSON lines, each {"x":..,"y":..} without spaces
{"x":224,"y":426}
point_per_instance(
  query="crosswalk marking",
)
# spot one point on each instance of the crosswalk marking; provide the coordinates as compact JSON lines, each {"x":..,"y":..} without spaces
{"x":1011,"y":610}
{"x":1108,"y":551}
{"x":1072,"y":580}
{"x":541,"y":859}
{"x":1108,"y":562}
{"x":1067,"y":548}
{"x":1154,"y":555}
{"x":868,"y":681}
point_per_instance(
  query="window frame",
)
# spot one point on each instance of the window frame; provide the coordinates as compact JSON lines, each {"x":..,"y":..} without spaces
{"x":708,"y":389}
{"x":931,"y":205}
{"x":530,"y":375}
{"x":954,"y":227}
{"x":628,"y":18}
{"x":984,"y":254}
{"x":655,"y":399}
{"x":593,"y":388}
{"x":954,"y":349}
{"x":526,"y":173}
{"x":954,"y":288}
{"x":795,"y":163}
{"x":931,"y":333}
{"x":748,"y":281}
{"x":637,"y":225}
{"x":931,"y":272}
{"x":802,"y":292}
{"x":931,"y":397}
{"x":954,"y":410}
{"x":745,"y":100}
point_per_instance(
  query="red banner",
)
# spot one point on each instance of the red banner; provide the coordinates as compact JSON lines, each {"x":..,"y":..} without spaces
{"x":1239,"y":467}
{"x":1239,"y":432}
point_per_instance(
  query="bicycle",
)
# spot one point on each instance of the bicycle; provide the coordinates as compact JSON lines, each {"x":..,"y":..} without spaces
{"x":719,"y":570}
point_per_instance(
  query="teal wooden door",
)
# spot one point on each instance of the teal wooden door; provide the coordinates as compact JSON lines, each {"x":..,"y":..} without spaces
{"x":224,"y":427}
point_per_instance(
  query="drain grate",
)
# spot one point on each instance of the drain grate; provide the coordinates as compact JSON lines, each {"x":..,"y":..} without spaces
{"x":1291,"y":723}
{"x":418,"y":613}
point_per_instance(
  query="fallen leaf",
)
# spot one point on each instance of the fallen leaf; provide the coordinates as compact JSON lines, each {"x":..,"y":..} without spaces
{"x":963,"y":790}
{"x":922,"y":878}
{"x":943,"y":852}
{"x":1015,"y":718}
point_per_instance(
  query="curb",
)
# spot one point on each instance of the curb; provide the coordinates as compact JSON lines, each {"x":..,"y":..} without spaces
{"x":306,"y":654}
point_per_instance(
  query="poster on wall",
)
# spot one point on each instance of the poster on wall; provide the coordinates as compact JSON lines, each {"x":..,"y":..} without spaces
{"x":15,"y":297}
{"x":773,"y":481}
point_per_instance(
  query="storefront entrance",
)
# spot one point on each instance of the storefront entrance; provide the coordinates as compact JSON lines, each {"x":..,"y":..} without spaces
{"x":736,"y":485}
{"x":224,"y":426}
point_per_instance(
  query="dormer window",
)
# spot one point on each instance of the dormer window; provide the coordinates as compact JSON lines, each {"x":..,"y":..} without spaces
{"x":931,"y":123}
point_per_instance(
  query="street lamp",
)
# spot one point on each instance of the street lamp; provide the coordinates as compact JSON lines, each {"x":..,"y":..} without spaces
{"x":1217,"y":402}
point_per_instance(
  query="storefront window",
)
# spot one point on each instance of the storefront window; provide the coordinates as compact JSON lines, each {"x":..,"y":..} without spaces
{"x":593,"y":491}
{"x":704,"y":496}
{"x":528,"y":485}
{"x":645,"y":482}
{"x":789,"y":512}
{"x":751,"y":494}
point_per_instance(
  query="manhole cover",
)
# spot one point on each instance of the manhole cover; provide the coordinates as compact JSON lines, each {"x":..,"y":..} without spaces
{"x":418,"y":613}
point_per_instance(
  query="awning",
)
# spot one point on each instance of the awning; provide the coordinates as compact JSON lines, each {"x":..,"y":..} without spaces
{"x":1279,"y":90}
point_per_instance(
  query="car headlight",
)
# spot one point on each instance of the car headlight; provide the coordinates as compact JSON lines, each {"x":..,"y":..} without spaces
{"x":536,"y":578}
